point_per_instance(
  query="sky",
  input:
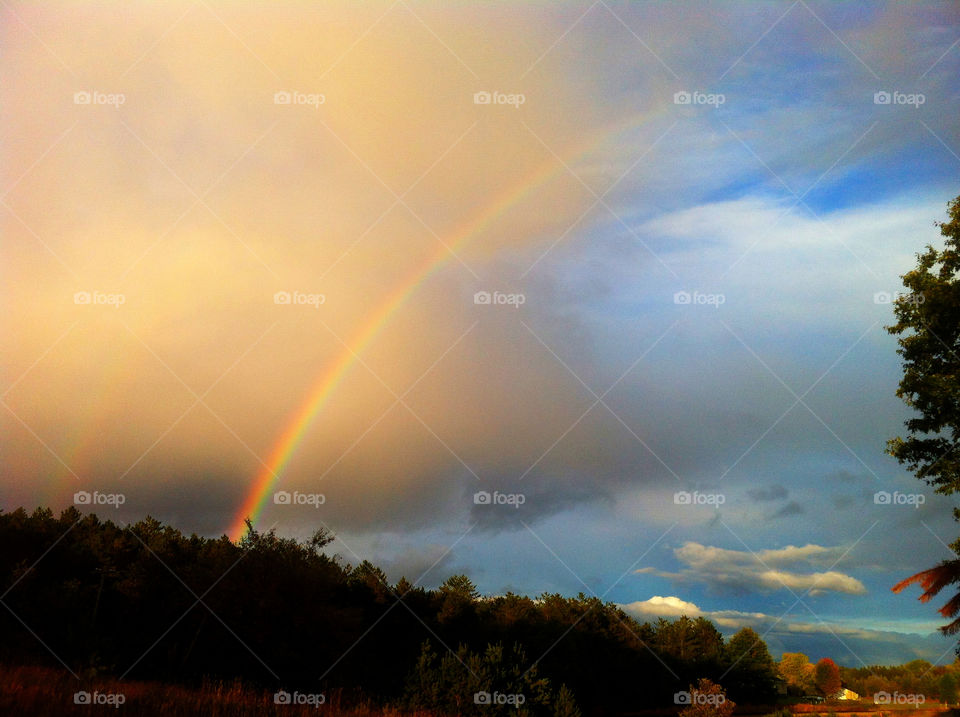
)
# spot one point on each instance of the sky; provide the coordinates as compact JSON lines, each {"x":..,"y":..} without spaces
{"x":568,"y":297}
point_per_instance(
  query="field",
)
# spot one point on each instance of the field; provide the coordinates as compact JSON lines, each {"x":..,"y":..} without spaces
{"x":43,"y":692}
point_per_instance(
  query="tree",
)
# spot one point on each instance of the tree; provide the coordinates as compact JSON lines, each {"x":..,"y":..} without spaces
{"x":751,"y":672}
{"x":374,"y":579}
{"x":875,"y":684}
{"x":497,"y":682}
{"x":689,"y":640}
{"x":796,"y":669}
{"x":457,"y":606}
{"x":826,"y":675}
{"x":707,"y":699}
{"x":461,"y":586}
{"x":402,"y":587}
{"x":320,"y":539}
{"x":928,"y":324}
{"x":948,"y":689}
{"x":565,"y":705}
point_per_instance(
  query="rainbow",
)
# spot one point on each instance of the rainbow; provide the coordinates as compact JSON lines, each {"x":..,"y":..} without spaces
{"x":328,"y":381}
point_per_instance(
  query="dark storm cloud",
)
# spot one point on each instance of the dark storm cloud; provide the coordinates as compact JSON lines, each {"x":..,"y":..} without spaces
{"x":790,"y":509}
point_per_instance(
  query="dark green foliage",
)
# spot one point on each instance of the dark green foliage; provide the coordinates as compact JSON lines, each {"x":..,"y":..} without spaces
{"x":947,"y":687}
{"x":497,"y":682}
{"x":928,"y":324}
{"x":146,"y":602}
{"x":751,"y":673}
{"x":918,"y":677}
{"x":565,"y":705}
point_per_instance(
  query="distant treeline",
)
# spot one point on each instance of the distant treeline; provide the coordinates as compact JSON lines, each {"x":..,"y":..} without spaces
{"x":917,"y":678}
{"x":148,"y":602}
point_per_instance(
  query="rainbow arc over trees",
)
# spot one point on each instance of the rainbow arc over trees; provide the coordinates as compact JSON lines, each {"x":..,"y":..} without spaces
{"x":330,"y":378}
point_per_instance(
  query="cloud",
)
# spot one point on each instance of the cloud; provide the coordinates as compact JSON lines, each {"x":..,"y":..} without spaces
{"x":790,"y":509}
{"x":764,"y":571}
{"x":304,"y":198}
{"x":669,"y":607}
{"x":186,"y":389}
{"x":425,"y":564}
{"x":840,"y":639}
{"x":658,"y":606}
{"x":770,"y":493}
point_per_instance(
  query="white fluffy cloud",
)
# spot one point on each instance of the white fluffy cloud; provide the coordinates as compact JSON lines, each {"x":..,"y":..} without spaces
{"x":765,"y":570}
{"x":658,"y":606}
{"x":851,"y":644}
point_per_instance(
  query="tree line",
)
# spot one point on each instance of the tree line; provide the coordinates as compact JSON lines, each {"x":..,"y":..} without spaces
{"x":151,"y":603}
{"x":917,"y":678}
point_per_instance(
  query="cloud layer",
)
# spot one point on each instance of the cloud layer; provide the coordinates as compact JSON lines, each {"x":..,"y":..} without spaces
{"x":159,"y":192}
{"x":765,"y":570}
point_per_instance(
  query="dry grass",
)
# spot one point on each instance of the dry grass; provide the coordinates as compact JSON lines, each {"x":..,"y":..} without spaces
{"x":868,"y":709}
{"x":44,"y":692}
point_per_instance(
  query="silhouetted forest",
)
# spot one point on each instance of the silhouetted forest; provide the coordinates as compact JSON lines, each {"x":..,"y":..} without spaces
{"x":147,"y":602}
